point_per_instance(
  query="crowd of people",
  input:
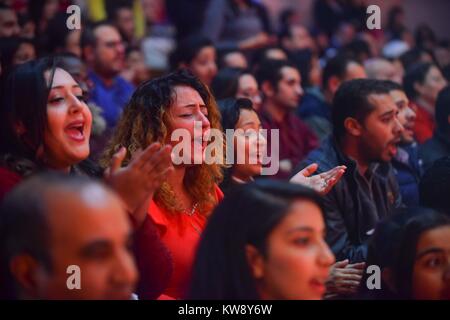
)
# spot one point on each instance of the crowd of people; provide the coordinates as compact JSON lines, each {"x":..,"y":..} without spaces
{"x":89,"y":170}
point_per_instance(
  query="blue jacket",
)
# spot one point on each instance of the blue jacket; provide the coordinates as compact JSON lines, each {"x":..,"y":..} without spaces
{"x":408,"y":170}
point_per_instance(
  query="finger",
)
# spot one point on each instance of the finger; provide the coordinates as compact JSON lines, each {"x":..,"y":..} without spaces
{"x":359,"y":265}
{"x":158,"y":162}
{"x":117,"y":159}
{"x":309,"y":170}
{"x":144,"y":157}
{"x":350,"y":276}
{"x":341,"y":264}
{"x":349,"y":283}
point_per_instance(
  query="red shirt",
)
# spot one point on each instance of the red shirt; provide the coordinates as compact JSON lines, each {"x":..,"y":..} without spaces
{"x":425,"y":124}
{"x":296,"y":140}
{"x":8,"y":180}
{"x":181,"y":234}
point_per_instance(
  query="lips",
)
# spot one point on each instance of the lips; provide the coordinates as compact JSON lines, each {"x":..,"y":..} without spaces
{"x":75,"y":130}
{"x":318,"y":284}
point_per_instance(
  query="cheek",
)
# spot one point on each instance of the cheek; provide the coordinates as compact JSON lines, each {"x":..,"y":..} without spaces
{"x":55,"y":119}
{"x":290,"y":270}
{"x":426,"y":284}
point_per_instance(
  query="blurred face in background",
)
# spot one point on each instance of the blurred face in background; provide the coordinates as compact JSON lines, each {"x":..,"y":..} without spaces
{"x":24,"y":53}
{"x":204,"y":64}
{"x":248,"y":88}
{"x":109,"y":52}
{"x":406,"y":115}
{"x":289,"y":90}
{"x":433,"y":83}
{"x":125,"y":22}
{"x":8,"y":23}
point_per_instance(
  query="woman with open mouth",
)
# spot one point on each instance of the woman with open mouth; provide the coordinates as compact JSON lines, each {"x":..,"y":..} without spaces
{"x":46,"y":125}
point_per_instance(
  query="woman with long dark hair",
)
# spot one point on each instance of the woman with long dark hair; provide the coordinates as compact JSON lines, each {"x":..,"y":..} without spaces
{"x":422,"y":267}
{"x":265,"y":240}
{"x":46,"y":125}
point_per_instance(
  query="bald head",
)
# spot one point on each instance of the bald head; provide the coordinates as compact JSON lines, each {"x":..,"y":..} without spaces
{"x":54,"y":221}
{"x":381,"y":69}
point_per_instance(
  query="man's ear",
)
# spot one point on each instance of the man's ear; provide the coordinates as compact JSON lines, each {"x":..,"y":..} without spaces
{"x":353,"y":127}
{"x":255,"y":261}
{"x":24,"y":269}
{"x":267,"y":89}
{"x":333,"y":84}
{"x":88,"y":54}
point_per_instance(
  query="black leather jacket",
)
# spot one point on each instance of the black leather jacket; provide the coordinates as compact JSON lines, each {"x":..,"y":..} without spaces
{"x":356,"y":203}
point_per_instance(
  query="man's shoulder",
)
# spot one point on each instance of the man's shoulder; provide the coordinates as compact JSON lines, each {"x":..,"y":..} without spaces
{"x":325,"y":156}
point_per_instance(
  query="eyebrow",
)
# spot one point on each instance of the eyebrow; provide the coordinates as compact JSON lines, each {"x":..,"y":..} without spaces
{"x":428,"y":251}
{"x":95,"y":245}
{"x":62,"y":87}
{"x":248,"y":123}
{"x":388,"y":113}
{"x":301,"y":229}
{"x":193,"y":105}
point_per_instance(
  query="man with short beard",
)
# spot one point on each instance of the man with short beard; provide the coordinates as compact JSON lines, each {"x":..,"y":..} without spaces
{"x":406,"y":163}
{"x":366,"y":132}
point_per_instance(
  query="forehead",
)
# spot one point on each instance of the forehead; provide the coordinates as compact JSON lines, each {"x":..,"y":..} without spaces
{"x":247,"y":80}
{"x":206,"y":51}
{"x":355,"y":71}
{"x":438,"y":237}
{"x":303,"y":213}
{"x":248,"y":115}
{"x":185,"y":95}
{"x":79,"y":218}
{"x":382,"y":103}
{"x":288,"y":73}
{"x":398,"y":95}
{"x":106,"y":33}
{"x":60,"y":78}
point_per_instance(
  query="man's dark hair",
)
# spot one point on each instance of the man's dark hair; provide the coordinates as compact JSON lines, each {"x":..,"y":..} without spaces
{"x":352,"y":101}
{"x":358,"y":50}
{"x":270,"y":70}
{"x":433,"y":186}
{"x":415,"y":74}
{"x":245,"y":217}
{"x":88,"y":37}
{"x":24,"y":226}
{"x":443,"y":110}
{"x":414,"y":56}
{"x":392,"y":86}
{"x":335,"y":67}
{"x":226,"y":83}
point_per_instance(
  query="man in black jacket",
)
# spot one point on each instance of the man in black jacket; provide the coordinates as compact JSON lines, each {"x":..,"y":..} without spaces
{"x":366,"y":132}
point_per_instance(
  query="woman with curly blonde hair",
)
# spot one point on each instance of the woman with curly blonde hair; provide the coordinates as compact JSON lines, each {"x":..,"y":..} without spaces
{"x":181,"y":206}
